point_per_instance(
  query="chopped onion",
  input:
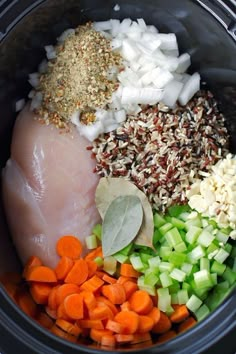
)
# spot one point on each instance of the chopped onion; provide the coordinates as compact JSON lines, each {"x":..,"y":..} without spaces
{"x":102,"y":25}
{"x":171,"y":93}
{"x":36,"y":101}
{"x":129,"y":50}
{"x":34,"y":79}
{"x":189,"y":89}
{"x":142,"y":24}
{"x":115,"y":27}
{"x":65,"y":34}
{"x":125,"y":24}
{"x":152,"y":29}
{"x":184,"y":62}
{"x":168,"y":41}
{"x":161,"y":77}
{"x":43,"y":66}
{"x":19,"y":105}
{"x":116,"y":7}
{"x":120,"y":116}
{"x":50,"y":52}
{"x":141,"y":95}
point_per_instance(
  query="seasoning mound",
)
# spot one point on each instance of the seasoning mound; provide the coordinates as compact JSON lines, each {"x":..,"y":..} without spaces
{"x":162,"y":151}
{"x":77,"y":78}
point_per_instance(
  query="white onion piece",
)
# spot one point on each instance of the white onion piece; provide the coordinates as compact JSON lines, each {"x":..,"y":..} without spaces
{"x":170,"y":63}
{"x":146,"y":79}
{"x":102,"y":25}
{"x":116,"y":7}
{"x":36,"y":101}
{"x":34,"y":79}
{"x":142,"y":24}
{"x":129,"y":50}
{"x":135,"y":27}
{"x":171,"y":93}
{"x":50,"y":52}
{"x":115,"y":27}
{"x":185,"y":77}
{"x":168,"y":41}
{"x":110,"y":128}
{"x":116,"y":43}
{"x":65,"y":34}
{"x":125,"y":25}
{"x":161,"y":77}
{"x":152,"y":29}
{"x":43,"y":66}
{"x":189,"y":89}
{"x":132,"y":108}
{"x":171,"y":53}
{"x":19,"y":105}
{"x":120,"y":116}
{"x":31,"y":94}
{"x":91,"y":131}
{"x":184,"y":62}
{"x":147,"y":95}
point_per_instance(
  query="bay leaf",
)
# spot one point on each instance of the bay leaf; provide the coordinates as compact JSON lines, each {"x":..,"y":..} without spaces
{"x":122,"y":221}
{"x":109,"y":188}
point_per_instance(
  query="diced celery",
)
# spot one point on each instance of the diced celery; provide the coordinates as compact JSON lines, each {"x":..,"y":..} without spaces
{"x":212,"y":250}
{"x":205,"y":238}
{"x":201,"y":293}
{"x":209,"y":228}
{"x":167,"y":218}
{"x":176,"y":210}
{"x":193,"y":222}
{"x":202,"y":312}
{"x":164,"y":299}
{"x":187,"y":287}
{"x":221,"y":236}
{"x":156,"y":238}
{"x":136,"y":262}
{"x":97,"y":231}
{"x":173,"y":237}
{"x":110,"y":264}
{"x":158,"y":220}
{"x":214,"y":278}
{"x":166,"y":266}
{"x":145,"y":257}
{"x":121,"y":258}
{"x":226,"y":230}
{"x":177,"y":223}
{"x":202,"y":279}
{"x":229,"y":275}
{"x":205,"y":223}
{"x":165,"y":279}
{"x":192,"y":234}
{"x":193,"y":303}
{"x":178,"y":274}
{"x":164,"y":228}
{"x":127,"y":250}
{"x":99,"y":261}
{"x":228,"y":247}
{"x":182,"y":296}
{"x":196,"y":254}
{"x":142,"y":286}
{"x":177,"y":258}
{"x":165,"y":252}
{"x":218,"y":268}
{"x":205,"y":264}
{"x":154,"y":262}
{"x":187,"y":268}
{"x":213,"y":223}
{"x":174,"y":299}
{"x":169,"y":310}
{"x":195,"y":269}
{"x":184,"y":216}
{"x":233,"y":251}
{"x":150,"y":278}
{"x":181,"y":247}
{"x":224,"y":285}
{"x":221,"y":255}
{"x":91,"y":241}
{"x":234,"y":266}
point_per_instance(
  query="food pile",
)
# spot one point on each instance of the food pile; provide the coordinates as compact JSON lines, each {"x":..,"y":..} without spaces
{"x":164,"y":255}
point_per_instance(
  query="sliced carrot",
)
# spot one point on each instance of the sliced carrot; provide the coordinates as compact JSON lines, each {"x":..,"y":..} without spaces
{"x":27,"y":304}
{"x":51,"y":313}
{"x":115,"y":293}
{"x":41,"y":274}
{"x":92,"y":268}
{"x":63,"y":267}
{"x":154,"y":300}
{"x":103,"y":300}
{"x":100,"y":274}
{"x":60,"y":333}
{"x":108,"y":279}
{"x":130,"y":287}
{"x":89,"y":299}
{"x":155,"y":314}
{"x":128,"y":270}
{"x":65,"y":290}
{"x":74,"y":306}
{"x":97,"y":334}
{"x":78,"y":273}
{"x":122,"y":279}
{"x":44,"y":320}
{"x":129,"y":320}
{"x":52,"y":298}
{"x":69,"y":246}
{"x":145,"y":324}
{"x":115,"y":326}
{"x":108,"y":340}
{"x":68,"y":327}
{"x":61,"y":313}
{"x":141,"y":302}
{"x":102,"y":312}
{"x":163,"y":325}
{"x":166,"y":336}
{"x":187,"y":324}
{"x":88,"y":323}
{"x":141,"y":337}
{"x":40,"y":292}
{"x":124,"y":338}
{"x":33,"y":261}
{"x":97,"y":252}
{"x":125,"y":306}
{"x":180,"y":313}
{"x":92,"y":284}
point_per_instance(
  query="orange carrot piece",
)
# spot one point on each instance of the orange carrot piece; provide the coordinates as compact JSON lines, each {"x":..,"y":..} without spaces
{"x":125,"y":306}
{"x":78,"y":273}
{"x":100,"y":274}
{"x":41,"y":274}
{"x":155,"y":314}
{"x":97,"y":334}
{"x":108,"y":340}
{"x":128,"y":270}
{"x":97,"y":252}
{"x":145,"y":324}
{"x":88,"y":323}
{"x":44,"y":320}
{"x":74,"y":306}
{"x":141,"y":337}
{"x":123,"y":338}
{"x":52,"y":298}
{"x":51,"y":313}
{"x":122,"y":279}
{"x":163,"y":325}
{"x":61,"y":313}
{"x":92,"y":284}
{"x":141,"y":302}
{"x":63,"y":267}
{"x":130,"y":287}
{"x":101,"y":313}
{"x":69,"y":246}
{"x":115,"y":326}
{"x":27,"y":304}
{"x":65,"y":290}
{"x":115,"y":293}
{"x":180,"y":313}
{"x":40,"y":292}
{"x":187,"y":324}
{"x":68,"y":327}
{"x":89,"y":299}
{"x":108,"y":279}
{"x":103,"y":300}
{"x":60,"y":333}
{"x":33,"y":261}
{"x":166,"y":336}
{"x":129,"y":320}
{"x":92,"y":268}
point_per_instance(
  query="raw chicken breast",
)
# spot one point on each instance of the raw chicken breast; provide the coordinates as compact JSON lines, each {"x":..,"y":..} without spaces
{"x":48,"y":188}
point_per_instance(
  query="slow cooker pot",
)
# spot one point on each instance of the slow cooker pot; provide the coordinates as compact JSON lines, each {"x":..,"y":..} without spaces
{"x":206,"y":29}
